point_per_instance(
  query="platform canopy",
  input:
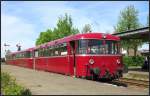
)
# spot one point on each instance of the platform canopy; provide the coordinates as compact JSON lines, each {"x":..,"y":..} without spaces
{"x":141,"y":33}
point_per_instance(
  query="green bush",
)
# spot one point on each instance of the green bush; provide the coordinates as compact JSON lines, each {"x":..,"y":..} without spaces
{"x":133,"y":60}
{"x":10,"y":87}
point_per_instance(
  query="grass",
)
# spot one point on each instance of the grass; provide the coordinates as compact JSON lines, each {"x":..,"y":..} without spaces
{"x":10,"y":87}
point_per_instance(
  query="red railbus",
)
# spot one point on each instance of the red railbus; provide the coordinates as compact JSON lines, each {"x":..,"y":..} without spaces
{"x":82,"y":55}
{"x":21,"y":58}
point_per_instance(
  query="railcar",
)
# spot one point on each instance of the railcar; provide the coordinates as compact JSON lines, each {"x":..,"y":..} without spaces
{"x":94,"y":55}
{"x":21,"y":58}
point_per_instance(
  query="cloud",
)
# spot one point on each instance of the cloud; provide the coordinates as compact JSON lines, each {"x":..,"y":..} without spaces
{"x":49,"y":16}
{"x":22,"y":21}
{"x":15,"y":30}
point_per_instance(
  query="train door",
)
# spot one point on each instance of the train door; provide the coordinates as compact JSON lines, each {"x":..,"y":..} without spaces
{"x":34,"y":58}
{"x":72,"y":58}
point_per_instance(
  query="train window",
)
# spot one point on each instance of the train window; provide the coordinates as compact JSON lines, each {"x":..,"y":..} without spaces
{"x":112,"y":47}
{"x":82,"y":46}
{"x":56,"y":53}
{"x":91,"y":46}
{"x":16,"y":55}
{"x":25,"y":55}
{"x":40,"y":52}
{"x":53,"y":51}
{"x":43,"y":52}
{"x":36,"y":54}
{"x":21,"y":55}
{"x":56,"y":50}
{"x":28,"y":54}
{"x":95,"y":47}
{"x":46,"y":52}
{"x":49,"y":51}
{"x":63,"y":49}
{"x":31,"y":54}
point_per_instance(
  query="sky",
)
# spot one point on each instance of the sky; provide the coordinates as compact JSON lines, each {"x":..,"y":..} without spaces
{"x":22,"y":21}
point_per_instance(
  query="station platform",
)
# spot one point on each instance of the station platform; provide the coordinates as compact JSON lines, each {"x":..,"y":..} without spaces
{"x":137,"y":75}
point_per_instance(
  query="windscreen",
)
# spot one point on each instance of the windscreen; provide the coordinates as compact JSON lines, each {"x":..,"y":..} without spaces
{"x":93,"y":46}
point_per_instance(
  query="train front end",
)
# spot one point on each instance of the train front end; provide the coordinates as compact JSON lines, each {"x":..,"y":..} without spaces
{"x":99,"y":58}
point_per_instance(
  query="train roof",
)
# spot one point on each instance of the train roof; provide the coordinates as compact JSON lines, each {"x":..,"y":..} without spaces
{"x":80,"y":36}
{"x":95,"y":35}
{"x":29,"y":49}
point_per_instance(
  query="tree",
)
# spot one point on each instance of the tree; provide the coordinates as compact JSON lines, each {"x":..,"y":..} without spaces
{"x":87,"y":28}
{"x":44,"y":37}
{"x":128,"y":20}
{"x":64,"y":28}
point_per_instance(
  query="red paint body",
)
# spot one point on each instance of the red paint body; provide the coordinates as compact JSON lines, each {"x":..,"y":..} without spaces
{"x":73,"y":64}
{"x":102,"y":61}
{"x":24,"y":62}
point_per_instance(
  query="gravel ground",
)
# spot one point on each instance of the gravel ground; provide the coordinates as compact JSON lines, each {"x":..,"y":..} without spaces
{"x":40,"y":82}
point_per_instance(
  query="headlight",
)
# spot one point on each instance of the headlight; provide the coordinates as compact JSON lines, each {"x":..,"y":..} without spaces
{"x":91,"y":61}
{"x":118,"y":61}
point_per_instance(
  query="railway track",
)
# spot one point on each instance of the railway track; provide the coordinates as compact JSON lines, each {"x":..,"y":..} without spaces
{"x":134,"y":82}
{"x":125,"y":82}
